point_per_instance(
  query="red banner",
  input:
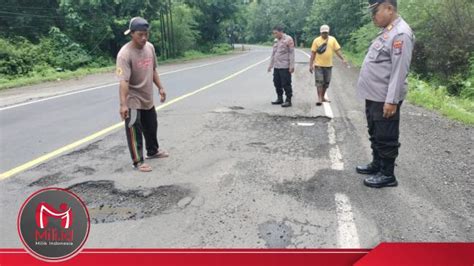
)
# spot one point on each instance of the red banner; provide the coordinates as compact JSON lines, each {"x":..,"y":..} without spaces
{"x":385,"y":254}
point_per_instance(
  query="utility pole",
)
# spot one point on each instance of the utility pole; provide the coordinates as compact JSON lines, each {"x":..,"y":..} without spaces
{"x":172,"y":41}
{"x":163,"y":33}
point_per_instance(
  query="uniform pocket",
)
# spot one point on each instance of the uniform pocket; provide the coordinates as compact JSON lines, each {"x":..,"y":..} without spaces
{"x":375,"y":50}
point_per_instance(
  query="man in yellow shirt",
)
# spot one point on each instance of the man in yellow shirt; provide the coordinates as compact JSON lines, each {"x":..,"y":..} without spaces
{"x":322,"y":52}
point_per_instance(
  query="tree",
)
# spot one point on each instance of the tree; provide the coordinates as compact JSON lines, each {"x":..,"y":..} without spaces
{"x":343,"y":16}
{"x":211,"y":15}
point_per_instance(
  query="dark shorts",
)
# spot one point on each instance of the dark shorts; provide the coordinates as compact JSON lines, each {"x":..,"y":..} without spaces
{"x":322,"y":76}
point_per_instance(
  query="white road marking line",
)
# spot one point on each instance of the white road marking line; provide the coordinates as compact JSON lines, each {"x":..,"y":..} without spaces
{"x":336,"y":159}
{"x":57,"y":96}
{"x":331,"y":134}
{"x":328,"y":110}
{"x":334,"y":153}
{"x":347,"y":236}
{"x":114,"y":84}
{"x":327,"y":107}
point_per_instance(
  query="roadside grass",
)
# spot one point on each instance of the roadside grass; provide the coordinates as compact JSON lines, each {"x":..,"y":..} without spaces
{"x":424,"y":94}
{"x":355,"y":58}
{"x":51,"y":74}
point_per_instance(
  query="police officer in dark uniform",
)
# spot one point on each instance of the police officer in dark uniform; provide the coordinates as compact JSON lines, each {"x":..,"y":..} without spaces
{"x":383,"y":85}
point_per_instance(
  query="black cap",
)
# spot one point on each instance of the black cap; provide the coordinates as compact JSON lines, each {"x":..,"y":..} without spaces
{"x":374,"y":3}
{"x":137,"y":24}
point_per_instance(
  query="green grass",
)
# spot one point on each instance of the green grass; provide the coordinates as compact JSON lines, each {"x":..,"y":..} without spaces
{"x":356,"y":59}
{"x":422,"y":93}
{"x":52,"y":75}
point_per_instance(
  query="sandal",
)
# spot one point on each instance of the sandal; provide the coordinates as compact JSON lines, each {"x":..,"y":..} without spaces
{"x":159,"y":155}
{"x":319,"y":104}
{"x":142,"y":167}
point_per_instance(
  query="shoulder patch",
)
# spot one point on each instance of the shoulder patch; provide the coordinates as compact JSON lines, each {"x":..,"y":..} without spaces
{"x":397,"y":47}
{"x":119,"y":71}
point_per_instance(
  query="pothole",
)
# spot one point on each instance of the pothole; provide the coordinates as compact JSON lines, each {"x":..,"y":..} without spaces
{"x":84,"y":170}
{"x":293,"y":136}
{"x":87,"y":149}
{"x":257,"y":144}
{"x":230,"y":109}
{"x":276,"y":234}
{"x":301,"y":118}
{"x":107,"y":204}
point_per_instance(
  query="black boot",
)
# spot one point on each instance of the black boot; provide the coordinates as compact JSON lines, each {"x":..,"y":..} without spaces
{"x":287,"y":103}
{"x":386,"y":176}
{"x":279,"y":100}
{"x":371,"y":168}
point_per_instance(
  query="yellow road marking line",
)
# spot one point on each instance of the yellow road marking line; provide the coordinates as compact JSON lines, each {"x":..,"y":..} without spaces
{"x":105,"y":131}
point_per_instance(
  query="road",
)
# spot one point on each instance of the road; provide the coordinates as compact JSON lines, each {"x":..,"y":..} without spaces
{"x":242,"y":173}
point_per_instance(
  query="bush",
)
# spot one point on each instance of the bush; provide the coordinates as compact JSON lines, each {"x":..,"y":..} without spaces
{"x":19,"y":57}
{"x":440,"y":53}
{"x":468,"y":85}
{"x":362,"y":38}
{"x":193,"y":54}
{"x":221,"y":48}
{"x":16,"y":60}
{"x":60,"y":51}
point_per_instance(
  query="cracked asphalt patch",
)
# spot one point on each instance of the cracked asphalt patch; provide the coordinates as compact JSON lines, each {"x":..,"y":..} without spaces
{"x":60,"y":177}
{"x":275,"y":234}
{"x":50,"y":180}
{"x":274,"y":134}
{"x":107,"y":204}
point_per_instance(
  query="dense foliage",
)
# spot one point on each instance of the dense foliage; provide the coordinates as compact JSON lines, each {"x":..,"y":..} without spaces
{"x":444,"y":30}
{"x":70,"y":34}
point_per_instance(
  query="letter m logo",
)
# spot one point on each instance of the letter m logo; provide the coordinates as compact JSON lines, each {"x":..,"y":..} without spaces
{"x":44,"y":211}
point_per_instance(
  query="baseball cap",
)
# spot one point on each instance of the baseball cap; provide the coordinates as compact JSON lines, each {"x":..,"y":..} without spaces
{"x":374,"y":3}
{"x":137,"y":24}
{"x":324,"y":28}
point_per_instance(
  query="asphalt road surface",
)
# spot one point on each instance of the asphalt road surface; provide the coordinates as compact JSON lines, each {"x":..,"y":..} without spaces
{"x":242,"y":173}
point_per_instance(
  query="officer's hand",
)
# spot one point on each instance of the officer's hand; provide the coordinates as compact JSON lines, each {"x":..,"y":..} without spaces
{"x":311,"y":69}
{"x":292,"y":70}
{"x":389,"y":110}
{"x":269,"y":69}
{"x":124,"y":111}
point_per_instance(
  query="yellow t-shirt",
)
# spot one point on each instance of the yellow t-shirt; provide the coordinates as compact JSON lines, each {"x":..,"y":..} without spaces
{"x":325,"y":59}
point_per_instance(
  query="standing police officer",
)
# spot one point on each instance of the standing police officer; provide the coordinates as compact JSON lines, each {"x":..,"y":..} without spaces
{"x":283,"y":64}
{"x":383,"y":85}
